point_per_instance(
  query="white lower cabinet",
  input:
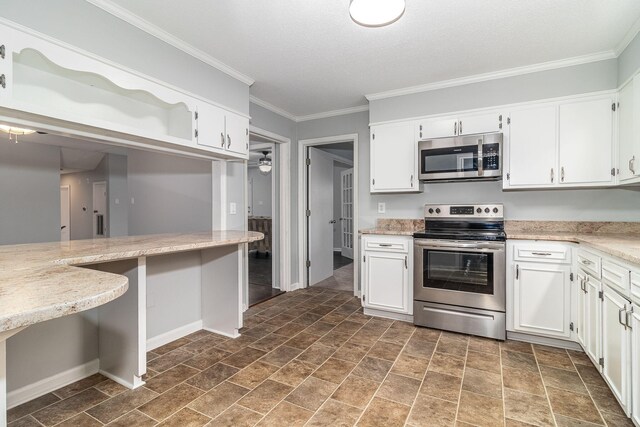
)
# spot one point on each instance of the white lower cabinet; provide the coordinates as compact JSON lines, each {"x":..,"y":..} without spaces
{"x":580,"y":318}
{"x":593,"y":320}
{"x":616,"y":345}
{"x":634,"y":321}
{"x":387,"y":274}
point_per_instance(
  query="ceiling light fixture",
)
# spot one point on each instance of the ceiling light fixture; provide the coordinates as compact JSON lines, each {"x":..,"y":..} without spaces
{"x":376,"y":13}
{"x":265,"y":164}
{"x":14,"y":132}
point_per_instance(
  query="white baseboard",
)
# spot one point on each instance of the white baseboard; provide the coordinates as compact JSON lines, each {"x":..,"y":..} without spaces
{"x":551,"y":342}
{"x":54,"y":382}
{"x":224,"y":334}
{"x":337,"y":249}
{"x":389,"y":315}
{"x":137,"y":381}
{"x":295,"y":287}
{"x":167,"y":337}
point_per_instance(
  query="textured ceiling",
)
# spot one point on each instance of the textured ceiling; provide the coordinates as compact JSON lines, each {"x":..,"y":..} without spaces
{"x":308,"y":56}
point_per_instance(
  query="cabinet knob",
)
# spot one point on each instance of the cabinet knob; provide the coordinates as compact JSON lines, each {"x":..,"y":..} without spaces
{"x":2,"y":51}
{"x":3,"y":81}
{"x":562,"y":174}
{"x":222,"y":139}
{"x":228,"y":141}
{"x":552,"y":175}
{"x":632,"y":166}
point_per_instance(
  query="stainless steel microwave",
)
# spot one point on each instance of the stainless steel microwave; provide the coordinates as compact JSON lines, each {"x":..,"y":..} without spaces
{"x":471,"y":157}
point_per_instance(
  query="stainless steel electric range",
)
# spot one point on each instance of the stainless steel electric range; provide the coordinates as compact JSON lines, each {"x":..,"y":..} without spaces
{"x":459,"y":277}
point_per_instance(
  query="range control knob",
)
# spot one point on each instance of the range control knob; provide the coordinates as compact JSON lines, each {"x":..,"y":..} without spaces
{"x":479,"y":210}
{"x":495,"y":210}
{"x":437,"y":210}
{"x":430,"y":210}
{"x":486,"y":210}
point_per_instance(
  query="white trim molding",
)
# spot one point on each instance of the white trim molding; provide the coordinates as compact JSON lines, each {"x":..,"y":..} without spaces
{"x":149,"y":28}
{"x":177,"y":333}
{"x":268,"y":106}
{"x":333,"y":113}
{"x":631,"y":34}
{"x":510,"y":72}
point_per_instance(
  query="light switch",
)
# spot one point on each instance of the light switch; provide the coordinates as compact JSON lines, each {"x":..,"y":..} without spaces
{"x":117,"y":201}
{"x":232,"y":208}
{"x":381,"y":207}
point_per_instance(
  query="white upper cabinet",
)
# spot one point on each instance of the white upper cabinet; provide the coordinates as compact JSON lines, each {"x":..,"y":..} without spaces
{"x":586,"y":142}
{"x":210,"y":124}
{"x":237,"y":134}
{"x":629,"y":132}
{"x":532,"y":146}
{"x":394,"y":159}
{"x":459,"y":125}
{"x":561,"y":144}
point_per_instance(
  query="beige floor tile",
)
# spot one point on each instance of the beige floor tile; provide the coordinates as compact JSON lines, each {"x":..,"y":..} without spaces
{"x":348,"y":327}
{"x":419,"y":347}
{"x":207,"y":359}
{"x":351,"y":352}
{"x":251,"y":376}
{"x":573,"y":405}
{"x":209,"y":378}
{"x":173,"y":345}
{"x":429,"y":411}
{"x":302,"y":341}
{"x":528,"y":408}
{"x":562,"y":378}
{"x":237,"y":416}
{"x":286,"y":414}
{"x":480,"y":410}
{"x":110,"y":387}
{"x":355,"y":391}
{"x":334,"y":339}
{"x":281,"y":355}
{"x":290,"y":329}
{"x":605,"y":401}
{"x":442,"y":386}
{"x":244,"y":357}
{"x":519,"y":346}
{"x":383,"y":412}
{"x":373,"y":368}
{"x":562,"y":421}
{"x":34,"y":405}
{"x":170,"y":402}
{"x":484,"y":345}
{"x":264,"y":397}
{"x":519,"y":360}
{"x":590,"y":376}
{"x":169,"y":360}
{"x":410,"y":366}
{"x":455,"y":348}
{"x":80,"y":420}
{"x":385,"y":350}
{"x":616,"y":420}
{"x":312,"y":393}
{"x":269,"y":342}
{"x":316,"y":354}
{"x":27,"y":421}
{"x":65,"y":409}
{"x":489,"y":362}
{"x":482,"y":382}
{"x":335,"y":414}
{"x":79,"y":386}
{"x":133,"y":418}
{"x":319,"y":328}
{"x":447,"y":364}
{"x":523,"y":380}
{"x":185,"y":418}
{"x":427,"y":334}
{"x":554,"y":359}
{"x":293,"y":373}
{"x":168,"y":379}
{"x":579,"y":357}
{"x":334,"y":370}
{"x":219,"y":399}
{"x":396,"y":336}
{"x":399,"y":389}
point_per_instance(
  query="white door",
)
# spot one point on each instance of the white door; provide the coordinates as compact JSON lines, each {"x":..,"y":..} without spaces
{"x":438,"y":128}
{"x":99,"y":209}
{"x":386,"y":281}
{"x":479,"y":123}
{"x":65,"y":213}
{"x":394,"y":159}
{"x":346,"y":197}
{"x":628,"y":131}
{"x":635,"y":363}
{"x":616,"y":342}
{"x":237,"y":133}
{"x":542,"y":294}
{"x":532,"y":147}
{"x":320,"y":226}
{"x":581,"y":315}
{"x":211,"y":132}
{"x":593,"y":316}
{"x":586,"y":142}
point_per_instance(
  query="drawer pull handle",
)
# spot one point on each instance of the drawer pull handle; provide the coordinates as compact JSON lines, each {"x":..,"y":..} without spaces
{"x":623,"y":323}
{"x":2,"y":51}
{"x":3,"y":81}
{"x":587,"y":262}
{"x":385,"y":245}
{"x":541,"y":253}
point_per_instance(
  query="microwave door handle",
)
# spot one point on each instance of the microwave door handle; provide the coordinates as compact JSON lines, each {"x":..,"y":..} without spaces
{"x":480,"y":158}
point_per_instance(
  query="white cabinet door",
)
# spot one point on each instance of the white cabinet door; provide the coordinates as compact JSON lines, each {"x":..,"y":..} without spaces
{"x":532,"y":148}
{"x":594,"y":325}
{"x":542,"y":294}
{"x":394,"y":159}
{"x":635,"y":364}
{"x":438,"y":128}
{"x":211,"y":132}
{"x":386,"y":281}
{"x":586,"y":142}
{"x":480,"y":123}
{"x":581,"y":311}
{"x":237,"y":134}
{"x":616,"y":342}
{"x":628,"y":136}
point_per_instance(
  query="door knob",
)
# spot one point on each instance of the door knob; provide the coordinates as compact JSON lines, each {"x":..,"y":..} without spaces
{"x":333,"y":221}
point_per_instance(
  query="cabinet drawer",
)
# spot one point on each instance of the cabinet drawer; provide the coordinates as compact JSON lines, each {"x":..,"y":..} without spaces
{"x":590,"y":263}
{"x":615,"y":276}
{"x":542,"y":253}
{"x":387,"y":244}
{"x":635,"y":287}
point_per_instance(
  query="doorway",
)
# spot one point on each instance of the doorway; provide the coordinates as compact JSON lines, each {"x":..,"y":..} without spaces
{"x":99,"y":209}
{"x":65,"y":213}
{"x":328,"y":214}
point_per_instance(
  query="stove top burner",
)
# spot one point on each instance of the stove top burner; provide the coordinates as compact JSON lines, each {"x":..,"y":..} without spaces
{"x":470,"y":222}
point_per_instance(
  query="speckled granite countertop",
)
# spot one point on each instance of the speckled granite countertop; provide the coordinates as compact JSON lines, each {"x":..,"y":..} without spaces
{"x":395,"y":227}
{"x":41,"y":281}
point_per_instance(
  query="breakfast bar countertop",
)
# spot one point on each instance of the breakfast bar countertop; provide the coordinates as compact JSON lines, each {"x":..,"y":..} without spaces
{"x":43,"y":281}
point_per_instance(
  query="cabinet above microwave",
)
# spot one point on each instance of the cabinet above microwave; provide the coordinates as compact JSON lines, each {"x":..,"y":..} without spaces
{"x":472,"y":157}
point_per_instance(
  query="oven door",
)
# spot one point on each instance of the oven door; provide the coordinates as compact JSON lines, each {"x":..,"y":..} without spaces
{"x":461,"y":273}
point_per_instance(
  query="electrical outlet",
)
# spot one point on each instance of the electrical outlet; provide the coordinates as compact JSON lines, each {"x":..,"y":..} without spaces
{"x":133,"y":201}
{"x":382,"y":207}
{"x":117,"y":201}
{"x":233,"y":208}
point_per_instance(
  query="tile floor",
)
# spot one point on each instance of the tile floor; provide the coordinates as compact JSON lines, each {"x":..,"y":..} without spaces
{"x":310,"y":357}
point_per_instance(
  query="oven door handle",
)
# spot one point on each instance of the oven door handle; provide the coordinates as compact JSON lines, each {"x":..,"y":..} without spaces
{"x":460,"y":245}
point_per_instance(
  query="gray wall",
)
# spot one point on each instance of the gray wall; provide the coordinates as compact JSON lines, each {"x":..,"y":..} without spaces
{"x":30,"y":192}
{"x":629,"y":60}
{"x":261,"y":192}
{"x":88,"y":27}
{"x":81,"y":192}
{"x":171,"y":194}
{"x":566,"y":81}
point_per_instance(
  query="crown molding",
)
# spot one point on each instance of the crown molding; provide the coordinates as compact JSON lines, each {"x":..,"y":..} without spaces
{"x":631,"y":34}
{"x":138,"y":22}
{"x":510,"y":72}
{"x":279,"y":111}
{"x":333,"y":113}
